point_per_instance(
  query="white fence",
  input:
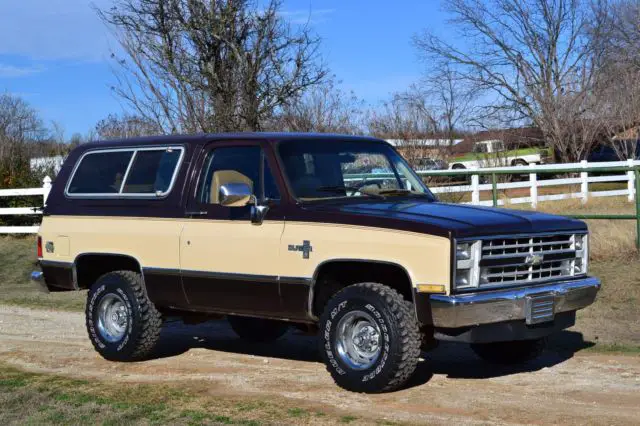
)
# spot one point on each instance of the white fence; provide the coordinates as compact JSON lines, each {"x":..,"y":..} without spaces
{"x":533,"y":183}
{"x":36,"y":210}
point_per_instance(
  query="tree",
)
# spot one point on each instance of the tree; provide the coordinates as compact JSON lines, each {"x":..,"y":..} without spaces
{"x":532,"y":60}
{"x":125,"y":126}
{"x":325,"y":109}
{"x":210,"y":65}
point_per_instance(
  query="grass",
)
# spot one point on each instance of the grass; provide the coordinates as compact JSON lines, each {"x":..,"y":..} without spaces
{"x":33,"y":398}
{"x":18,"y":261}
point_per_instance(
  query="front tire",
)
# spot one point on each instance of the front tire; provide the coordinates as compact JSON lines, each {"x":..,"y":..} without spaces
{"x":510,"y":353}
{"x":123,"y":324}
{"x":369,"y":338}
{"x":257,"y":330}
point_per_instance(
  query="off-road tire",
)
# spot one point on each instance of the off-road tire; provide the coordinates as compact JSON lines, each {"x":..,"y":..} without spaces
{"x":144,"y":323}
{"x":257,"y":330}
{"x":510,"y":353}
{"x":400,"y":338}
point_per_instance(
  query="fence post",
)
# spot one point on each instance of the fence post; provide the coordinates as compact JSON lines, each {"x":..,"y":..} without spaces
{"x":494,"y":189}
{"x":475,"y":190}
{"x":631,"y":182}
{"x":584,"y":182}
{"x":533,"y":188}
{"x":46,"y":188}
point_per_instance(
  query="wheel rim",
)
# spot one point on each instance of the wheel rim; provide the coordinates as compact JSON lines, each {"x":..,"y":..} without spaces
{"x":113,"y":318}
{"x":358,"y":340}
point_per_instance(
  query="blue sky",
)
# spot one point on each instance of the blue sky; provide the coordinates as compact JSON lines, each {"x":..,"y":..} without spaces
{"x":55,"y":53}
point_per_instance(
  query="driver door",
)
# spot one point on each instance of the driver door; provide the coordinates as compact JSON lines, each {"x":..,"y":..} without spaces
{"x":228,"y":263}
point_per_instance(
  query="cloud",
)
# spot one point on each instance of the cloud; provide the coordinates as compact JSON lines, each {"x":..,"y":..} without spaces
{"x":12,"y":71}
{"x":304,"y":16}
{"x":54,"y":29}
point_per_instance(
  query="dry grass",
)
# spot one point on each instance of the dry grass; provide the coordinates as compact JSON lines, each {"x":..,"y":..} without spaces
{"x":28,"y":398}
{"x":18,"y":260}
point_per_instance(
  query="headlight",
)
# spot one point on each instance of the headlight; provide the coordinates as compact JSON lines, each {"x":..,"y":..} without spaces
{"x":467,"y":273}
{"x":581,"y":262}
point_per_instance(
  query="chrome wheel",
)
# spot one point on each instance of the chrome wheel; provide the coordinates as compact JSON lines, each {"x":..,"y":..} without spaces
{"x":113,"y":318}
{"x":358,"y":340}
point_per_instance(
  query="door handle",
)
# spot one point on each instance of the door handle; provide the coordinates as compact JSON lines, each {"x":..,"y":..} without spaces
{"x":195,"y":213}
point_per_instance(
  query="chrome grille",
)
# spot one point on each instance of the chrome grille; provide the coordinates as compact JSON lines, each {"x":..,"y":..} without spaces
{"x":522,"y":260}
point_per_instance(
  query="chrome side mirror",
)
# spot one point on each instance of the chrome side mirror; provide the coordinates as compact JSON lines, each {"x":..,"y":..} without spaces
{"x":235,"y":194}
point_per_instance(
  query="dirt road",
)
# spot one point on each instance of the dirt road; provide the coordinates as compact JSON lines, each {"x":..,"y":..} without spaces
{"x":451,"y":385}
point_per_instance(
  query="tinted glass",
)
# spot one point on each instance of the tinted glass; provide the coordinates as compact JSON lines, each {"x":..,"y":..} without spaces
{"x":100,"y":173}
{"x":347,"y":169}
{"x":152,"y":171}
{"x":229,"y":165}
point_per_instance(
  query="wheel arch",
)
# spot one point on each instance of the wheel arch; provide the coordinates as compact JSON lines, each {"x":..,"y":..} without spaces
{"x":325,"y":268}
{"x":88,"y":267}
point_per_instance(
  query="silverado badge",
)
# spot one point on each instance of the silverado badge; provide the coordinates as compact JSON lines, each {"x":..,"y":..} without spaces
{"x":305,"y":248}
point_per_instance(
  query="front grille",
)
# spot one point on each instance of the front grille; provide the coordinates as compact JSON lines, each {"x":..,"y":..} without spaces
{"x":523,"y":260}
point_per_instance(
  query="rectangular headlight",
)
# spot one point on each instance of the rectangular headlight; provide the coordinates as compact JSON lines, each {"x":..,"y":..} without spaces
{"x":467,"y":264}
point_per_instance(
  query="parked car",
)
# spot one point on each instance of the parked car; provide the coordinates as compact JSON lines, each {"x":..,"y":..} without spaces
{"x":427,"y":164}
{"x":280,"y":230}
{"x":493,"y":153}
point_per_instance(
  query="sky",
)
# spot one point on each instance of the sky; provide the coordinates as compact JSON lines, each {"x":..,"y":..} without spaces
{"x":56,"y":53}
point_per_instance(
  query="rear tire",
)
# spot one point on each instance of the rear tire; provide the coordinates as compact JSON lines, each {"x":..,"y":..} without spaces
{"x":510,"y":353}
{"x":123,"y":324}
{"x":257,"y":329}
{"x":369,"y":338}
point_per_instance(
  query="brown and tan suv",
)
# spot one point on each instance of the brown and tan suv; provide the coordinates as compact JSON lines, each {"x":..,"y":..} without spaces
{"x":330,"y":233}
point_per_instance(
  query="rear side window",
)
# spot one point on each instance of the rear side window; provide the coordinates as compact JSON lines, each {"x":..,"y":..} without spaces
{"x":151,"y":172}
{"x":100,"y":173}
{"x":126,"y":172}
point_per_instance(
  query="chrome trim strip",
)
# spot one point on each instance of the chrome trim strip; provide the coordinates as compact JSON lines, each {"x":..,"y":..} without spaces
{"x":521,"y":235}
{"x":161,"y":271}
{"x":296,"y":280}
{"x":134,"y":151}
{"x":507,"y":305}
{"x":229,"y":276}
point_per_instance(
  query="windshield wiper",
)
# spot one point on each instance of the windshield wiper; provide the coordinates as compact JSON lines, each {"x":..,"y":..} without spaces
{"x":340,"y":189}
{"x":399,"y":191}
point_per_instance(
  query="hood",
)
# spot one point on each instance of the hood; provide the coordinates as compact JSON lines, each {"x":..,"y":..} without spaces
{"x":458,"y":219}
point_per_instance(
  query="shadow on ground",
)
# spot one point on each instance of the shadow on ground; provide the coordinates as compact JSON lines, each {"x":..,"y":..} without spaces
{"x":453,"y":360}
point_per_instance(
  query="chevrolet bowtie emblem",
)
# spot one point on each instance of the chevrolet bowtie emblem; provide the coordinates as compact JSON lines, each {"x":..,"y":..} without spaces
{"x":305,"y":248}
{"x":534,"y":259}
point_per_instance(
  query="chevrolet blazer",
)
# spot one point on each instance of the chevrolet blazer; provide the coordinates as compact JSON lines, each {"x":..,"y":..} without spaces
{"x":332,"y":234}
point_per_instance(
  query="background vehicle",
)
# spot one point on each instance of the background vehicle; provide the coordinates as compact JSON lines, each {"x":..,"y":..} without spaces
{"x":492,"y":153}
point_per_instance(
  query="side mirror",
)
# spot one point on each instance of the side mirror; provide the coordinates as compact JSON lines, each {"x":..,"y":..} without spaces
{"x":235,"y":194}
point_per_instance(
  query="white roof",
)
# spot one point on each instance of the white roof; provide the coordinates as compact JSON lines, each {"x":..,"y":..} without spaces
{"x":423,"y":142}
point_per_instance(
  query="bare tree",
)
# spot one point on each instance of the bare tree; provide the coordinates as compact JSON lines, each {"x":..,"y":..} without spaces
{"x":325,"y":108}
{"x":210,"y":65}
{"x":125,"y":126}
{"x":534,"y":60}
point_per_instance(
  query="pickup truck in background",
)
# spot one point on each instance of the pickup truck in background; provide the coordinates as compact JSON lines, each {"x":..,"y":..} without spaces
{"x":493,"y":153}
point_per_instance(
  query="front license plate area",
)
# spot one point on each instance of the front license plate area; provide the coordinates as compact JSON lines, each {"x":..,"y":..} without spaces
{"x":540,"y":308}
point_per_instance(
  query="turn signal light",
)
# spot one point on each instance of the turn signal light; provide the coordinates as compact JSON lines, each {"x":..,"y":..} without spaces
{"x":39,"y":246}
{"x":431,"y":288}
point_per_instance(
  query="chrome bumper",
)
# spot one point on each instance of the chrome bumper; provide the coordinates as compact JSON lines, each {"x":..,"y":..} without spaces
{"x":466,"y":310}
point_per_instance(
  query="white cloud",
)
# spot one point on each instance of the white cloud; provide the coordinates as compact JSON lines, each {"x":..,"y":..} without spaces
{"x":11,"y":71}
{"x":53,"y":29}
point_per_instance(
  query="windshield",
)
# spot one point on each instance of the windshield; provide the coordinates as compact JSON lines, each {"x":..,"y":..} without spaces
{"x":328,"y":169}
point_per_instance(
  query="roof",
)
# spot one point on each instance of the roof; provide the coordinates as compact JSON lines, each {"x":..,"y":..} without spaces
{"x":424,"y":142}
{"x":210,"y":137}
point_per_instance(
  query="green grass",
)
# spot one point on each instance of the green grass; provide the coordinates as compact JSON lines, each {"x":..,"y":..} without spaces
{"x":30,"y":398}
{"x":18,"y":256}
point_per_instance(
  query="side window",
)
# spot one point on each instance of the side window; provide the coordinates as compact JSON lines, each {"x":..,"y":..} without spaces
{"x":100,"y":173}
{"x":135,"y":172}
{"x":271,"y":191}
{"x":229,"y":165}
{"x":236,"y":165}
{"x":151,"y":171}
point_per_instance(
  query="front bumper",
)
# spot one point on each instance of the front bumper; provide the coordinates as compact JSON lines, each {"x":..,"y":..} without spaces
{"x":466,"y":310}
